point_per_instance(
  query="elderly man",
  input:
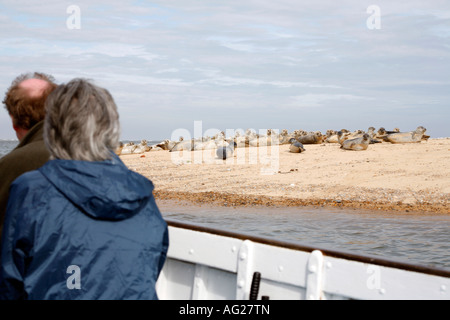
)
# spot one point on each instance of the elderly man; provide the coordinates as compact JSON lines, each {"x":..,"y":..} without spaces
{"x":25,"y":103}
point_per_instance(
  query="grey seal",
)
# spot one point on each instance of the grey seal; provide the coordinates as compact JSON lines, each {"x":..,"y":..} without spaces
{"x":226,"y":152}
{"x":406,"y":137}
{"x":296,"y":146}
{"x":356,"y":144}
{"x":310,"y":138}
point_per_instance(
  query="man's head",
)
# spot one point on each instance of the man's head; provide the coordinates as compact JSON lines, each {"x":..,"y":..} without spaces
{"x":25,"y":100}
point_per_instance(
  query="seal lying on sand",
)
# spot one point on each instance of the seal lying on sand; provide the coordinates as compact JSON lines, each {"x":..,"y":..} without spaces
{"x":165,"y":144}
{"x":382,"y":131}
{"x":310,"y":138}
{"x":226,"y":152}
{"x":331,"y":136}
{"x":356,"y":144}
{"x":127,"y":148}
{"x":406,"y":137}
{"x":183,"y":145}
{"x":295,"y":147}
{"x":342,"y":136}
{"x":142,"y":147}
{"x":132,"y":148}
{"x":118,"y":150}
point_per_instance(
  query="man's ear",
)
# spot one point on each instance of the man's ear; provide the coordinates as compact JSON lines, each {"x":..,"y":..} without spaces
{"x":20,"y":132}
{"x":15,"y":127}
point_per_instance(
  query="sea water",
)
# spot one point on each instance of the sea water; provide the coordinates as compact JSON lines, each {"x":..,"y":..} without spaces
{"x":6,"y":146}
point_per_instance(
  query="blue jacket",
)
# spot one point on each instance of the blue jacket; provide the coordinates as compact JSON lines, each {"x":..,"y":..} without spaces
{"x":82,"y":230}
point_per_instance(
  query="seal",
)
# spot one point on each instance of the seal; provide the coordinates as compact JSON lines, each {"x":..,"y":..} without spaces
{"x":406,"y":137}
{"x":342,"y":136}
{"x":183,"y":145}
{"x":295,"y":147}
{"x":356,"y":144}
{"x":205,"y":145}
{"x":128,"y":148}
{"x":285,"y":137}
{"x":310,"y":138}
{"x":226,"y":152}
{"x":143,"y":147}
{"x":132,"y":148}
{"x":372,"y":135}
{"x":118,"y":150}
{"x":165,"y":144}
{"x":242,"y":142}
{"x":331,"y":136}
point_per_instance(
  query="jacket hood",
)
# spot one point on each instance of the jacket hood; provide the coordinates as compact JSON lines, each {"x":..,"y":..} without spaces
{"x":105,"y":190}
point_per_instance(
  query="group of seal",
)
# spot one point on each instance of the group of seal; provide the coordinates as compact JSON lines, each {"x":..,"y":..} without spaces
{"x":357,"y":140}
{"x":132,"y":148}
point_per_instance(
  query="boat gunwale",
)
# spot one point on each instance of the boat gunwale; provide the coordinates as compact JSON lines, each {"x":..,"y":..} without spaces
{"x":342,"y":254}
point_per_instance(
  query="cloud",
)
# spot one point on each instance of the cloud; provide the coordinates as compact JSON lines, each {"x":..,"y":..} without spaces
{"x":179,"y":61}
{"x":320,"y":100}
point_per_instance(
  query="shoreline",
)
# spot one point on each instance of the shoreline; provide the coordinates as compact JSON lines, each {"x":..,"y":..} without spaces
{"x":239,"y":201}
{"x":385,"y":178}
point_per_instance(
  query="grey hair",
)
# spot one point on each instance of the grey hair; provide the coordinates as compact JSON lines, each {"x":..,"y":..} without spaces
{"x":81,"y":122}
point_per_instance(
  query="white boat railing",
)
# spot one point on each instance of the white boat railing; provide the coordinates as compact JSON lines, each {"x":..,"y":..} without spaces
{"x":205,"y":263}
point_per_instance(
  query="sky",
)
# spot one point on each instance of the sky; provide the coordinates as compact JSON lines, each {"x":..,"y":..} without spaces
{"x":237,"y":65}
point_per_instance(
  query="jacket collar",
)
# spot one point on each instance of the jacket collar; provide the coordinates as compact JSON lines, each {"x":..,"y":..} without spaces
{"x":34,"y":134}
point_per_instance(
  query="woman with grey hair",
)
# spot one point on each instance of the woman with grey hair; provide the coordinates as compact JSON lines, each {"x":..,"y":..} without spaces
{"x":83,"y":226}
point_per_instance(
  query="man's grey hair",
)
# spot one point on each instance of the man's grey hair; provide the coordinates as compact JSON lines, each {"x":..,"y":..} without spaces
{"x":81,"y":123}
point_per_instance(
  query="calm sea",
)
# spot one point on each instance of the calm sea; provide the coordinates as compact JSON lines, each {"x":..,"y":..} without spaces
{"x":413,"y":238}
{"x":6,"y":146}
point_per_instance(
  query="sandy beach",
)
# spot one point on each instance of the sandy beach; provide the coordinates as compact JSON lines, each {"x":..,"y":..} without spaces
{"x":387,"y":177}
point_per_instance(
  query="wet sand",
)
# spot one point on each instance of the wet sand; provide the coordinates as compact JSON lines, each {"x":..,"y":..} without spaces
{"x":387,"y":177}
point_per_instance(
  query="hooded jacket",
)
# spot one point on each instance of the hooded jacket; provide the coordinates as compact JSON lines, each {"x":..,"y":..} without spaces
{"x":82,"y":230}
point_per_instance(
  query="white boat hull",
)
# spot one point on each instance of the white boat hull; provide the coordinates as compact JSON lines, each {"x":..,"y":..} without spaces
{"x":206,"y":264}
